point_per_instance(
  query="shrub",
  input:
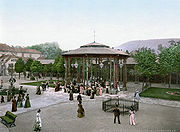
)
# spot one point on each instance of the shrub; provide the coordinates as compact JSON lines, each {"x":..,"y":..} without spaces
{"x":32,"y":78}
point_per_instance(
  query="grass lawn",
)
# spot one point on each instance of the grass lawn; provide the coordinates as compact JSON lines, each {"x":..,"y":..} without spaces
{"x":161,"y":93}
{"x":39,"y":83}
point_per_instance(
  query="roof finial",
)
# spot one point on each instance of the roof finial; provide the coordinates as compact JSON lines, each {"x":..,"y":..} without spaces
{"x":94,"y":36}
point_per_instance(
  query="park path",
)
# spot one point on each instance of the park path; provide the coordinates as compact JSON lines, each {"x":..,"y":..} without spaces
{"x":49,"y":97}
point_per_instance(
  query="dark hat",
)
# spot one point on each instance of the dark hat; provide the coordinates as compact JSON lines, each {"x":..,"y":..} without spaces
{"x":39,"y":111}
{"x":132,"y":108}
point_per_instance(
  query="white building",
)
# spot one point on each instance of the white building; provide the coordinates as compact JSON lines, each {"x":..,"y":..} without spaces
{"x":9,"y":56}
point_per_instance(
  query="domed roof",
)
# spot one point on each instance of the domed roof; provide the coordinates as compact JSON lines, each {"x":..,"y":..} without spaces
{"x":95,"y":49}
{"x":94,"y":44}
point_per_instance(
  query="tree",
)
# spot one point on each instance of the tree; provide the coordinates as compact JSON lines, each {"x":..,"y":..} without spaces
{"x":19,"y":66}
{"x":47,"y":69}
{"x":60,"y":67}
{"x":50,"y":50}
{"x":28,"y":65}
{"x":36,"y":68}
{"x":146,"y":63}
{"x":169,"y":59}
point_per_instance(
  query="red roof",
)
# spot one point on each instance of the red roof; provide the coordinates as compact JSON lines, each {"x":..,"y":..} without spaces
{"x":7,"y":48}
{"x":27,"y":50}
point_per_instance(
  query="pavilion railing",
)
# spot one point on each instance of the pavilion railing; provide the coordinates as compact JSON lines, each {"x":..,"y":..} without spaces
{"x":123,"y":104}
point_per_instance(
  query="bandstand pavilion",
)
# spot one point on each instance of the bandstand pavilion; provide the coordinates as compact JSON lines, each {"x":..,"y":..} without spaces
{"x":96,"y":54}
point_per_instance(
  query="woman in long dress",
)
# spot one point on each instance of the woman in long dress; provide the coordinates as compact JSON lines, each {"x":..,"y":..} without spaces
{"x":81,"y":89}
{"x":38,"y":90}
{"x":38,"y":124}
{"x":27,"y":103}
{"x":19,"y":101}
{"x":14,"y":104}
{"x":100,"y":90}
{"x":80,"y":111}
{"x":71,"y":95}
{"x":132,"y":116}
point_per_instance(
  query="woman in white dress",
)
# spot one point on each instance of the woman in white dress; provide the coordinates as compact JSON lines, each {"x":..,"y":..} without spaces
{"x":38,"y":123}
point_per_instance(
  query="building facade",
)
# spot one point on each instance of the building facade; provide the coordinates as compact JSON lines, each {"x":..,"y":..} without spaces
{"x":9,"y":56}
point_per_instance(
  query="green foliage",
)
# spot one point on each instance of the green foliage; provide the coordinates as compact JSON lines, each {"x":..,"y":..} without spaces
{"x":146,"y":60}
{"x":28,"y":64}
{"x":169,"y":59}
{"x":58,"y":66}
{"x":50,"y":50}
{"x":19,"y":66}
{"x":32,"y":78}
{"x":36,"y":67}
{"x":47,"y":68}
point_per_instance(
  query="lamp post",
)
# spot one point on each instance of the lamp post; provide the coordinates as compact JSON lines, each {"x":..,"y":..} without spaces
{"x":101,"y":66}
{"x":76,"y":66}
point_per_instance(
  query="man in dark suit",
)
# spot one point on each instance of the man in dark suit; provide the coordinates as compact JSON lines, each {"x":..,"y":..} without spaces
{"x":116,"y":114}
{"x":79,"y":98}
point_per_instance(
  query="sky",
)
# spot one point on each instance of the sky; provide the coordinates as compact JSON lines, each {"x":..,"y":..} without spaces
{"x":71,"y":23}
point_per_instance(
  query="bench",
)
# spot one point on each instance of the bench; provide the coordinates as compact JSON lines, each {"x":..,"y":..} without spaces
{"x":8,"y":119}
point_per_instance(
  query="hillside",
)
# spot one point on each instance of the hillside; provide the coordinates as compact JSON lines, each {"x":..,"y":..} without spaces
{"x":151,"y":43}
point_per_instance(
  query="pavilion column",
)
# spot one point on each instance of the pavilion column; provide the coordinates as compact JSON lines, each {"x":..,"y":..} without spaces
{"x":91,"y":68}
{"x":114,"y":72}
{"x":124,"y":74}
{"x":110,"y":70}
{"x":66,"y":72}
{"x":69,"y":69}
{"x":87,"y":72}
{"x":79,"y":69}
{"x":83,"y":71}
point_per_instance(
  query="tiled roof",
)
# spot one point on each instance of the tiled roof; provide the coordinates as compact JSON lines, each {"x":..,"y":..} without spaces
{"x":7,"y":48}
{"x":27,"y":50}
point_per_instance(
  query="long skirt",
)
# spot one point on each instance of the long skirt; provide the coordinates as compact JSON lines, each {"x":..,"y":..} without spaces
{"x":132,"y":119}
{"x":19,"y":104}
{"x":27,"y":104}
{"x":36,"y":126}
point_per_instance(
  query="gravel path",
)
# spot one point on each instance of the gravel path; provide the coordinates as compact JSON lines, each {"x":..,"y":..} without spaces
{"x":59,"y":114}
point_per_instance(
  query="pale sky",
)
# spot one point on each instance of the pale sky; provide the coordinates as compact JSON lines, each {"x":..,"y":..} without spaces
{"x":71,"y":22}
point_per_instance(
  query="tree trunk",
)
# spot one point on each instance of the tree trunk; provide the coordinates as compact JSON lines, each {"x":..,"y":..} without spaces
{"x":143,"y":85}
{"x":164,"y":81}
{"x":177,"y":78}
{"x":19,"y":75}
{"x":169,"y":80}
